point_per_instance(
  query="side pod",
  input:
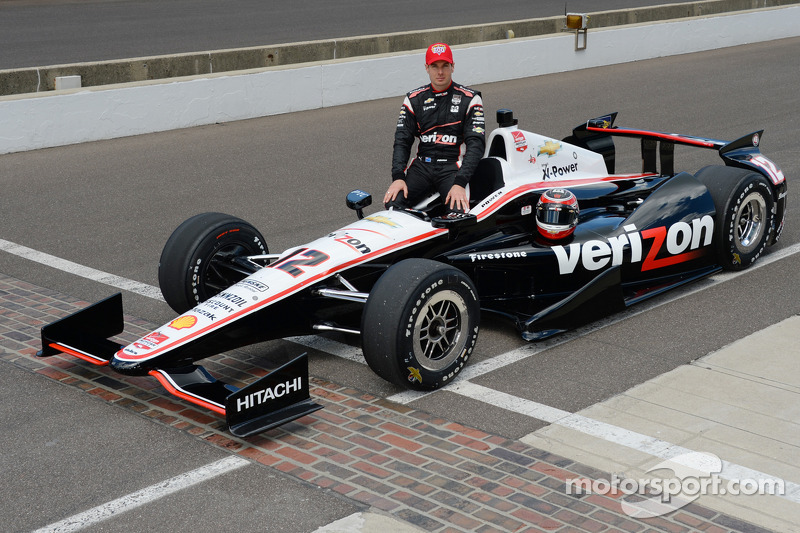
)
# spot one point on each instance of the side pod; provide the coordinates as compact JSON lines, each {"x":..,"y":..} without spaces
{"x":602,"y":296}
{"x":279,"y":397}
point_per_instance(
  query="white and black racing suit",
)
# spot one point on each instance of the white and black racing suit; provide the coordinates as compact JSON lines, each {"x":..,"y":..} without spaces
{"x":450,"y":126}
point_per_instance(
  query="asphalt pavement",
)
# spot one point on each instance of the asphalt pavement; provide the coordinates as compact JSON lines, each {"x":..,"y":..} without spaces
{"x":494,"y":452}
{"x":54,"y":32}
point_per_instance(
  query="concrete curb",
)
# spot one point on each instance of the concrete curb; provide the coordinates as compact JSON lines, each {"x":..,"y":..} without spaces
{"x":67,"y":117}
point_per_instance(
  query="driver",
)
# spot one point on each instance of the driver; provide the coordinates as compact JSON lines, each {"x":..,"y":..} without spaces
{"x":449,"y":122}
{"x":557,"y":214}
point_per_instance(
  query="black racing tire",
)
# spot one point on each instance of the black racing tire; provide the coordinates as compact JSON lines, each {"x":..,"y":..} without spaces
{"x":420,"y":324}
{"x":745,"y":208}
{"x":195,"y":262}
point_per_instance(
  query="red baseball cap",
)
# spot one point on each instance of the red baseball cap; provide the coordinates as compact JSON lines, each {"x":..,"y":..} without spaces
{"x":438,"y":52}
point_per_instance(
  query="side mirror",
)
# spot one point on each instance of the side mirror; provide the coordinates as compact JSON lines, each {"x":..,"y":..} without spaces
{"x":358,"y":200}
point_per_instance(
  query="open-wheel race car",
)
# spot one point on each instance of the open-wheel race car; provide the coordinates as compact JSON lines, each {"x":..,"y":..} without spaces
{"x":413,"y":283}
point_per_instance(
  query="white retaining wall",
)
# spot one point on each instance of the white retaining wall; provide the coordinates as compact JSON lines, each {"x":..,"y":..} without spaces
{"x":80,"y":115}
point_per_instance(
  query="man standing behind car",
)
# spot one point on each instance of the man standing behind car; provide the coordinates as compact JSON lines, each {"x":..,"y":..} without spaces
{"x":448,"y":119}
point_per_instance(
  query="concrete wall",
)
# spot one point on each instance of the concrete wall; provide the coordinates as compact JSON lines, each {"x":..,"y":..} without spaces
{"x":66,"y":117}
{"x":42,"y":78}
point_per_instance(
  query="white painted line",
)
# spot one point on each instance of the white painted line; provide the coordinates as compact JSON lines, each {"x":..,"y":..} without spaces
{"x":144,"y":496}
{"x":609,"y":433}
{"x":322,"y":344}
{"x":81,"y":270}
{"x":509,"y":402}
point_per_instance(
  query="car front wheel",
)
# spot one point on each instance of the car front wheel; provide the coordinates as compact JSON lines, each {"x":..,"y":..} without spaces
{"x":420,"y":324}
{"x":198,"y":259}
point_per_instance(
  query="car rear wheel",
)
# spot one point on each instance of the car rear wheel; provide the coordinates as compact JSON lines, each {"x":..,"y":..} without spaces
{"x":197,"y":260}
{"x":745,"y":214}
{"x":420,"y":324}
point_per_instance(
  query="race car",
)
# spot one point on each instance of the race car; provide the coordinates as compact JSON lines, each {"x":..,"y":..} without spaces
{"x":553,"y":239}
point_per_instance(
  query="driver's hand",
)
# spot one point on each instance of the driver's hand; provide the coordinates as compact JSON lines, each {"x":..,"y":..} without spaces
{"x":396,"y":187}
{"x":457,"y":198}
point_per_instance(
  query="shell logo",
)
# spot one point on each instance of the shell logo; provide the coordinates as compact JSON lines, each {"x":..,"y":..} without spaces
{"x":183,"y":322}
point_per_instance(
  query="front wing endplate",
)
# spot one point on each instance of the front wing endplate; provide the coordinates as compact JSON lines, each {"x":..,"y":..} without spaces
{"x":279,"y":397}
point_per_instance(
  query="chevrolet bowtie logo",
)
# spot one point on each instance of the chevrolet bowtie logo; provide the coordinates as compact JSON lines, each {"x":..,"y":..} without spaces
{"x":550,"y":148}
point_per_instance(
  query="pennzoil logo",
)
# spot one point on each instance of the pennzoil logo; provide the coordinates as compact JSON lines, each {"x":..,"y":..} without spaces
{"x":183,"y":322}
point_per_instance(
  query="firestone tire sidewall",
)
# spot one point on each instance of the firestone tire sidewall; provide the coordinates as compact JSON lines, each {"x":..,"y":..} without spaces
{"x":460,"y":295}
{"x":734,"y":256}
{"x":238,"y":234}
{"x":401,"y":303}
{"x":189,"y":251}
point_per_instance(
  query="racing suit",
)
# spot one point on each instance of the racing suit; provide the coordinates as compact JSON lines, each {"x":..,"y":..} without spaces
{"x":450,"y":126}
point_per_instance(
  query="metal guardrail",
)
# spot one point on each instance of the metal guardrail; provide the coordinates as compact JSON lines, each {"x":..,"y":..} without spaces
{"x":38,"y":79}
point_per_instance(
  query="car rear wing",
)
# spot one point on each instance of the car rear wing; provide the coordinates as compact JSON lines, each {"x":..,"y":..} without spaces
{"x":596,"y":135}
{"x":279,"y":397}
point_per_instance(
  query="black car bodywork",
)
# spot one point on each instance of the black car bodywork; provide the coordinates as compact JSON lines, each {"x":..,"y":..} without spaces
{"x":413,"y":283}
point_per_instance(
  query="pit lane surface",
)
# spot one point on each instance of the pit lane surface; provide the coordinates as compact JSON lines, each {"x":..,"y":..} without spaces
{"x":111,"y":205}
{"x":54,"y":32}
